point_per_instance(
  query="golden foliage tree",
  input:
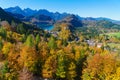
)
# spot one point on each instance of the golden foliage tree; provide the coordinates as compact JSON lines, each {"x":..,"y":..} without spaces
{"x":99,"y":67}
{"x":29,"y":58}
{"x":49,"y":68}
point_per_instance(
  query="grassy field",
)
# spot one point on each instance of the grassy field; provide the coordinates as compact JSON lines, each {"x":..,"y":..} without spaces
{"x":117,"y":34}
{"x":114,"y":45}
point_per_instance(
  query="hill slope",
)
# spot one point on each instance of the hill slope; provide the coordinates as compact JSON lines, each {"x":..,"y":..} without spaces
{"x":7,"y":17}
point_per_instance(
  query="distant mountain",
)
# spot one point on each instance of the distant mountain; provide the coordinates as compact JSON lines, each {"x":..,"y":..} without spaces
{"x":55,"y":16}
{"x":15,"y":10}
{"x":72,"y":20}
{"x":5,"y":16}
{"x":101,"y":19}
{"x":108,"y":19}
{"x":15,"y":15}
{"x":29,"y":12}
{"x":18,"y":10}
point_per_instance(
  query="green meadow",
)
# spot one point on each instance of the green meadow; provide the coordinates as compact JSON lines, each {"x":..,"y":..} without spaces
{"x":115,"y":34}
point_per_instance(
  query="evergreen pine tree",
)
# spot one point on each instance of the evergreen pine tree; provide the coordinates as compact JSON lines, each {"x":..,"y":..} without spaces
{"x":29,"y":41}
{"x":52,"y":43}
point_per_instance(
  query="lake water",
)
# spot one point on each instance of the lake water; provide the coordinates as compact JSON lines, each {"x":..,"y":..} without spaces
{"x":48,"y":27}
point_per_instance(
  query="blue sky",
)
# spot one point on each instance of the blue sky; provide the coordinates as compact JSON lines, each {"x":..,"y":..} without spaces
{"x":84,"y":8}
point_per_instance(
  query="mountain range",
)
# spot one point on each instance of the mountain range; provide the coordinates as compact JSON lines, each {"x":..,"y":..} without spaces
{"x":29,"y":12}
{"x":43,"y":17}
{"x":55,"y":16}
